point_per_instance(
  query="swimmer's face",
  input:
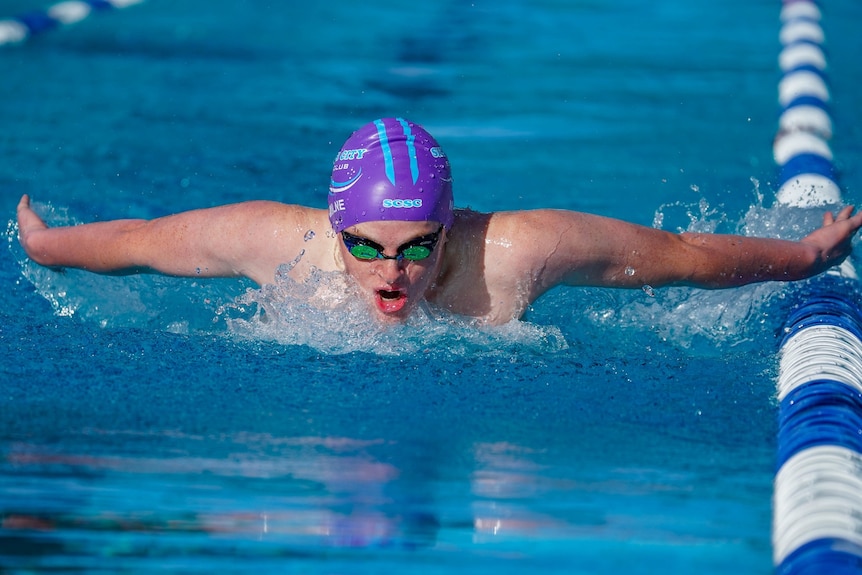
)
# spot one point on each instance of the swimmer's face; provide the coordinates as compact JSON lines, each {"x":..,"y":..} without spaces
{"x":393,"y":287}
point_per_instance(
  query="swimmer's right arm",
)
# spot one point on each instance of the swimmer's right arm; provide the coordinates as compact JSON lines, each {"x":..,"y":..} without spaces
{"x":226,"y":241}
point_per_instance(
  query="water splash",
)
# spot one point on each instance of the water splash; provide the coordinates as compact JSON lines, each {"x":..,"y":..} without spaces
{"x":327,"y":313}
{"x":177,"y":305}
{"x":713,"y":321}
{"x":684,"y":216}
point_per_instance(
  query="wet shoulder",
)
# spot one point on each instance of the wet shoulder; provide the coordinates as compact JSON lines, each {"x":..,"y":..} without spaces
{"x":311,"y":238}
{"x":497,"y":259}
{"x":284,"y":234}
{"x":472,"y":282}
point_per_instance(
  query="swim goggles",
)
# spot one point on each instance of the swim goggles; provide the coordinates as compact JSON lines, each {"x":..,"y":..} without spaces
{"x":414,"y":250}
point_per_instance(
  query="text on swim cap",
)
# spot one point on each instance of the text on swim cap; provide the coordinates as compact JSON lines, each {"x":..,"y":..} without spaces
{"x":350,"y":154}
{"x":437,"y":152}
{"x":390,"y":203}
{"x":336,"y":206}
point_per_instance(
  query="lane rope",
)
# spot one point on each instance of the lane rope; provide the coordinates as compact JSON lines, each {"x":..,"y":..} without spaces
{"x":817,"y":498}
{"x":19,"y":28}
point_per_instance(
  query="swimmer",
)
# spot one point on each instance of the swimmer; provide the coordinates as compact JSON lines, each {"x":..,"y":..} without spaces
{"x":395,"y":231}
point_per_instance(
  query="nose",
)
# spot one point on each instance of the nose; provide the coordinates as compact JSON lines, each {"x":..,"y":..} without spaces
{"x":390,"y":270}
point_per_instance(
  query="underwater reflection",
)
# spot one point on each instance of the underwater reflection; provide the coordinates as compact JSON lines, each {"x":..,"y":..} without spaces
{"x":273,"y":495}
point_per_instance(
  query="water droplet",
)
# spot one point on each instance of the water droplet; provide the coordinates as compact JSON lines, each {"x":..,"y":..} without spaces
{"x":295,"y":261}
{"x":649,"y":290}
{"x":308,"y":235}
{"x":630,"y":271}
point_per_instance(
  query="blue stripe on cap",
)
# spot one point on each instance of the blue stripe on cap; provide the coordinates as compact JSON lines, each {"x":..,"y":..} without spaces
{"x":411,"y":149}
{"x":387,"y":151}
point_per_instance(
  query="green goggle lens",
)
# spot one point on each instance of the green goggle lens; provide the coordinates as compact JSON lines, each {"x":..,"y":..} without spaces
{"x":364,"y":249}
{"x":363,"y":252}
{"x":414,"y":253}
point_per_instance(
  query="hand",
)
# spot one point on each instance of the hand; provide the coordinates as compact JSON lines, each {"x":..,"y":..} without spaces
{"x":834,"y":239}
{"x":28,"y":221}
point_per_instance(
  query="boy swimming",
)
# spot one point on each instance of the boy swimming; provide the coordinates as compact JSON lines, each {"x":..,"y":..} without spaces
{"x":392,"y":226}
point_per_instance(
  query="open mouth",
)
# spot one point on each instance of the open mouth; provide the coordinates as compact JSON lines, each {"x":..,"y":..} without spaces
{"x":390,"y":301}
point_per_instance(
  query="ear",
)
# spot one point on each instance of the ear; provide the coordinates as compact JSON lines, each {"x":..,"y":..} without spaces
{"x":338,"y":253}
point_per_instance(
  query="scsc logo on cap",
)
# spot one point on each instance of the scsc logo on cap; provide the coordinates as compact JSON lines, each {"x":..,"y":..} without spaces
{"x":390,"y":203}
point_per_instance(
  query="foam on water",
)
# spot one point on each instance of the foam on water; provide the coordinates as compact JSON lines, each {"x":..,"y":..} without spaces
{"x":293,"y":313}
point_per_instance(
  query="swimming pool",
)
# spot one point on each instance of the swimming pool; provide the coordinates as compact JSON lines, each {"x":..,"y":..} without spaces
{"x":151,"y":423}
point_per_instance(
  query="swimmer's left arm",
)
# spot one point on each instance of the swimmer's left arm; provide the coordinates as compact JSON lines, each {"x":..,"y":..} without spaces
{"x":729,"y":261}
{"x":581,"y":249}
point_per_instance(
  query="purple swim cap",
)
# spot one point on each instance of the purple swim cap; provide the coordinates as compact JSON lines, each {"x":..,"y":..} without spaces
{"x":390,"y":169}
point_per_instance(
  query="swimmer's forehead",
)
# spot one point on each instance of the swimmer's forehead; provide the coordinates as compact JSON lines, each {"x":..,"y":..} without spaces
{"x":393,"y":232}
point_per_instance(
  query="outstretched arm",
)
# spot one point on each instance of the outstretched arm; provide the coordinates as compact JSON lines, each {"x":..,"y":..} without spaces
{"x":227,"y":241}
{"x":581,"y":249}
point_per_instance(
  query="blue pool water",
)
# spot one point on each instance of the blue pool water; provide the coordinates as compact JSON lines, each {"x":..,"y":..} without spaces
{"x":151,"y":423}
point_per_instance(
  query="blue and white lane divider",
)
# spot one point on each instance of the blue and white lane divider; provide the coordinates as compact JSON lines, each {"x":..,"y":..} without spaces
{"x":817,"y":501}
{"x":801,"y":145}
{"x":19,"y":28}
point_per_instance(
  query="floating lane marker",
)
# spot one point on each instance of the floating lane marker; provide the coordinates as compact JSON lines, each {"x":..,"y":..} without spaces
{"x":817,"y":500}
{"x":807,"y":174}
{"x":19,"y":28}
